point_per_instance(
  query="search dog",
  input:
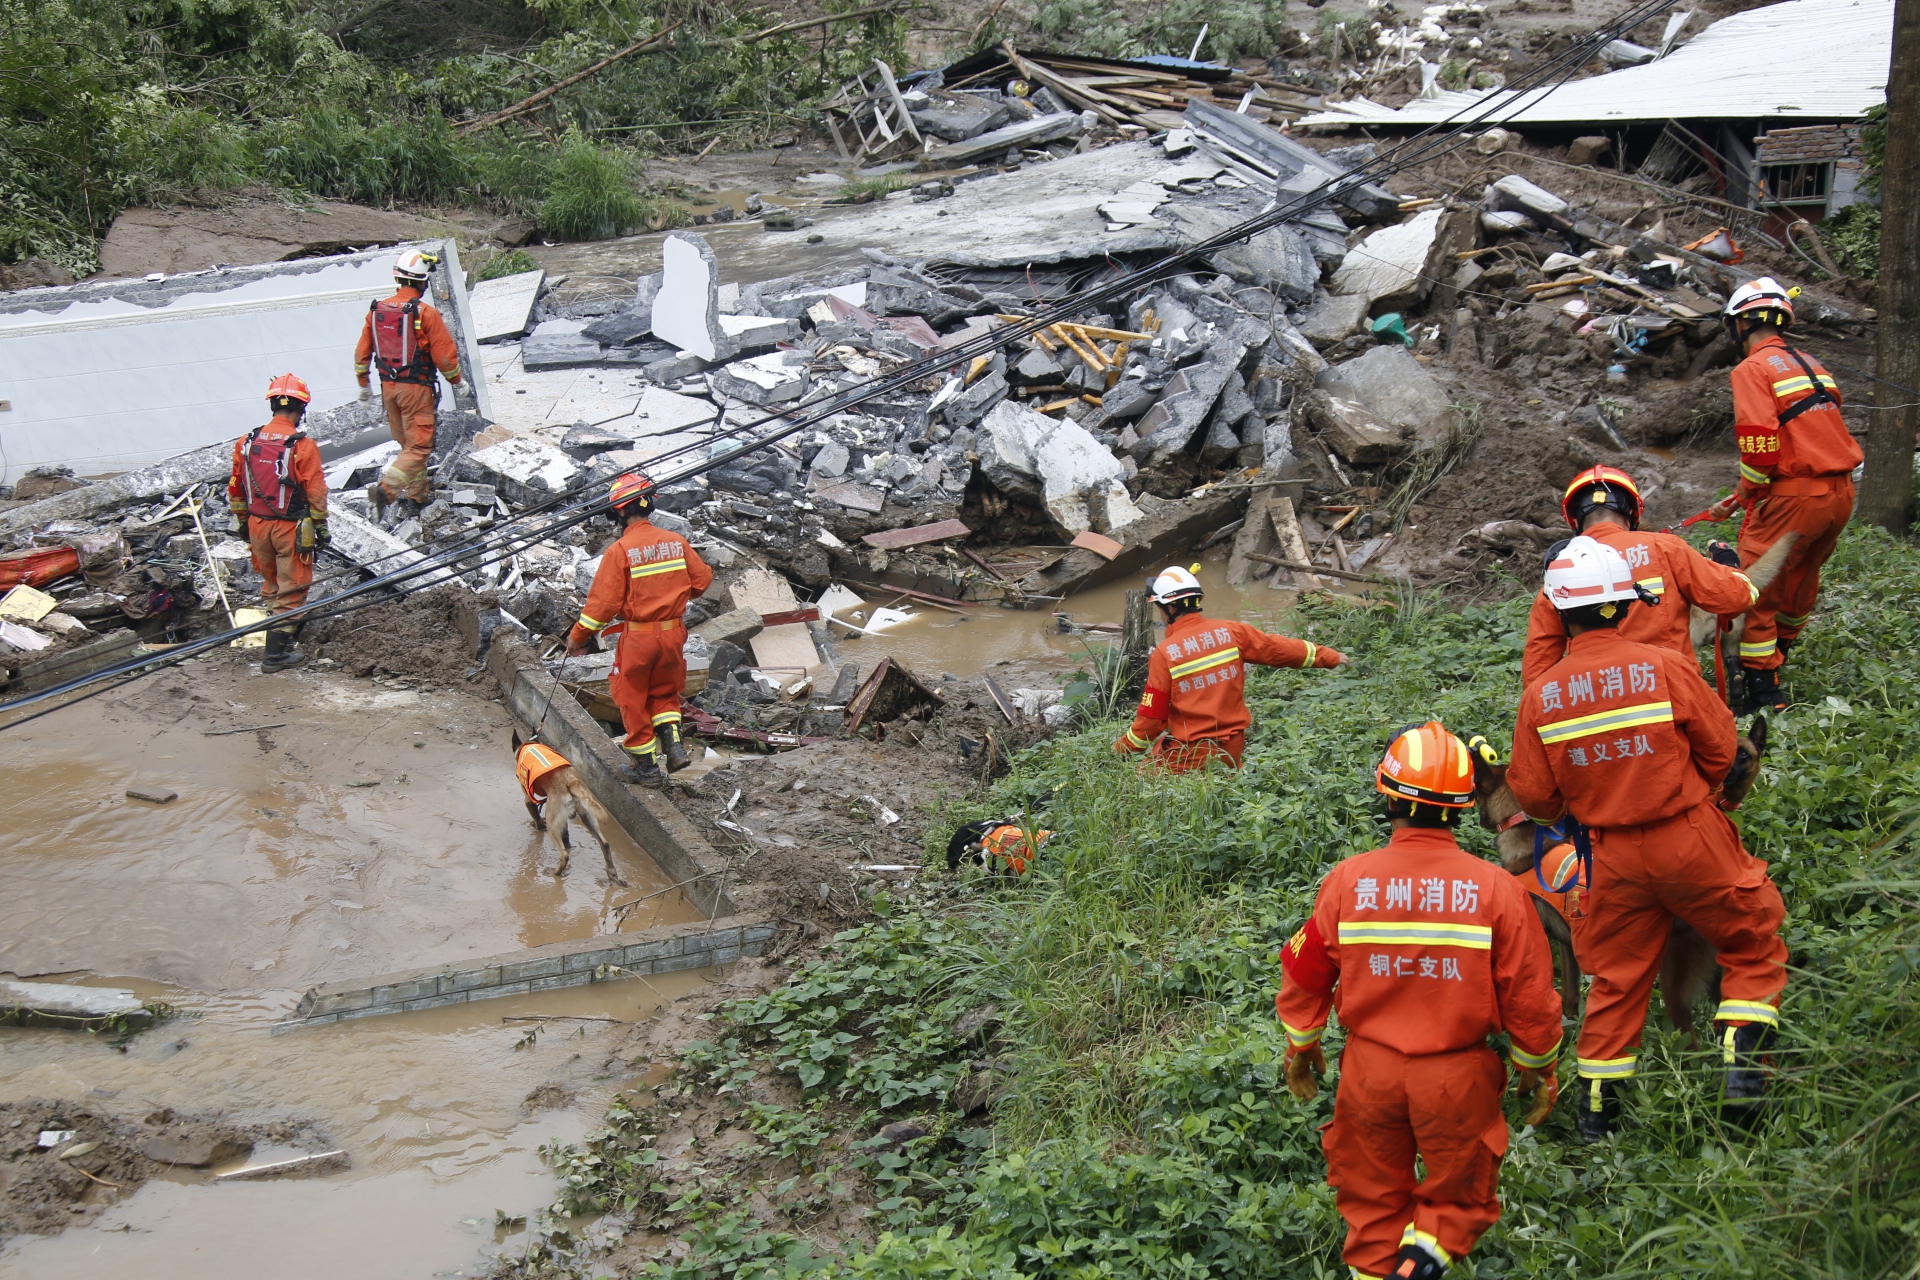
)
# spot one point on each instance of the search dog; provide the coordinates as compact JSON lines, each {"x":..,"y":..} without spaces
{"x":569,"y":804}
{"x":1687,"y":969}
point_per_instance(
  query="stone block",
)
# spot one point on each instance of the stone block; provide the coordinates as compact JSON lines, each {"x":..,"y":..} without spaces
{"x":686,"y":310}
{"x":971,"y":404}
{"x":736,"y":626}
{"x":622,"y":327}
{"x":762,"y":380}
{"x":1354,"y":432}
{"x":1388,"y":267}
{"x":832,"y":460}
{"x":525,"y":970}
{"x":344,"y":1002}
{"x":1396,"y":388}
{"x":1588,"y":150}
{"x":586,"y":961}
{"x":577,"y":978}
{"x":1333,"y":318}
{"x":1279,"y":260}
{"x":1515,"y":194}
{"x":673,"y":964}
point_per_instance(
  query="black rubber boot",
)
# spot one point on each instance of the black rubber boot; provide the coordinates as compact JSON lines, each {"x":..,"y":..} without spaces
{"x":281,"y":655}
{"x":1749,"y":1072}
{"x":642,"y":771}
{"x":1763,"y":690}
{"x":677,"y":757}
{"x":1415,"y":1263}
{"x":1599,"y":1109}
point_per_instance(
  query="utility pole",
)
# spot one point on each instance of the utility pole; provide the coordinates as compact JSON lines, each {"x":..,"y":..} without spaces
{"x":1886,"y":493}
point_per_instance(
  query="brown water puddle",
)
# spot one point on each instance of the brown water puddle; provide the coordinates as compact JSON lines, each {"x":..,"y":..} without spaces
{"x":376,"y":828}
{"x":935,"y":641}
{"x":430,"y":1106}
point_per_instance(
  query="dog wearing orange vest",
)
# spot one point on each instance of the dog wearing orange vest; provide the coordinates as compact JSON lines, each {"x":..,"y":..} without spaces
{"x":557,"y":801}
{"x":1688,"y":967}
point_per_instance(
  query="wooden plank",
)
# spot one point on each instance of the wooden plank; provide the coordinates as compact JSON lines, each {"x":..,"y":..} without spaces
{"x":1000,"y":699}
{"x":1293,"y":545}
{"x":893,"y":539}
{"x":808,"y":614}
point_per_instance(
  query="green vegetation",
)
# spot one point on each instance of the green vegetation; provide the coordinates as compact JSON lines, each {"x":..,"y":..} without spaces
{"x":1141,"y":1129}
{"x":511,"y":263}
{"x":1854,"y":236}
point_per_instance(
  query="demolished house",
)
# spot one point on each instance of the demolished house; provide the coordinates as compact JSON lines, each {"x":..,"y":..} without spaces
{"x":1282,"y":393}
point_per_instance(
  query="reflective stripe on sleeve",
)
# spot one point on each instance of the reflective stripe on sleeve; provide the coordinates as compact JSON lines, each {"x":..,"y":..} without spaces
{"x":1135,"y":741}
{"x":1313,"y":653}
{"x":1755,"y":477}
{"x":590,"y":624}
{"x":1753,"y":592}
{"x":1535,"y":1061}
{"x":1301,"y":1039}
{"x":1656,"y":585}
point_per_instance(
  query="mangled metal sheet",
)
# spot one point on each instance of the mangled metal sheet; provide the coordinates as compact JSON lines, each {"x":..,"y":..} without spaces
{"x":1834,"y":52}
{"x":112,"y":376}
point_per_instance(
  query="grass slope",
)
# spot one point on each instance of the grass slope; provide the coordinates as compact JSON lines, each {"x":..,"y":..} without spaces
{"x":1142,"y":1130}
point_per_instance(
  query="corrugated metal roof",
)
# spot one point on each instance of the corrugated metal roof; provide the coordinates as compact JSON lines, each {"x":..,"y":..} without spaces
{"x":1802,"y":60}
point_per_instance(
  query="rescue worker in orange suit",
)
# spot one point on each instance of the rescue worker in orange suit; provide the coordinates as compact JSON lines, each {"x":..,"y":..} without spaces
{"x":1634,"y":745}
{"x":1194,"y":708}
{"x":1604,"y":503}
{"x":407,"y":340}
{"x":278,"y":496}
{"x":1796,"y":475}
{"x":645,"y":580}
{"x":1425,"y":950}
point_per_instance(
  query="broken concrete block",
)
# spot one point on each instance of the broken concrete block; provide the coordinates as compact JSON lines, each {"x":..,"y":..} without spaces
{"x":959,"y":116}
{"x":1221,"y":444}
{"x":736,"y":626}
{"x":1035,"y":368}
{"x":622,"y":327}
{"x":1020,"y":134}
{"x":1128,"y":398}
{"x":854,"y":497}
{"x":1191,"y":393}
{"x":1278,"y":260}
{"x":1516,"y":194}
{"x":745,"y":335}
{"x":1389,"y":266}
{"x":686,"y":311}
{"x":501,"y":307}
{"x":559,"y":344}
{"x":1333,"y":318}
{"x":1354,"y":432}
{"x":831,"y":462}
{"x":971,"y":404}
{"x":1007,"y":439}
{"x":153,"y":795}
{"x":527,"y":469}
{"x":1396,"y":388}
{"x":60,"y":1004}
{"x":1082,"y":485}
{"x":762,"y":380}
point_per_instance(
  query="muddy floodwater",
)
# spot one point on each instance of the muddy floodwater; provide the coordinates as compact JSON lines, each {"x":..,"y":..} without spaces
{"x":374,"y":828}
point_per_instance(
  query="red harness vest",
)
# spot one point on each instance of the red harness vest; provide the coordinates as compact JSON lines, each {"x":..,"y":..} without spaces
{"x":397,"y":350}
{"x":271,"y":495}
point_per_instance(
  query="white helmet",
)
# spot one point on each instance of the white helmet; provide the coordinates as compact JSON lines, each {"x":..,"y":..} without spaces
{"x":1762,"y":298}
{"x":1174,"y":583}
{"x":1586,"y":572}
{"x":415,"y":265}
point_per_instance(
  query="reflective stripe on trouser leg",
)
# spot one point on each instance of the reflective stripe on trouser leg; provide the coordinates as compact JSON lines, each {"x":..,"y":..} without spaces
{"x":1414,"y":1235}
{"x":666,"y":717}
{"x":1737,"y":1011}
{"x":1606,"y":1068}
{"x":646,"y":748}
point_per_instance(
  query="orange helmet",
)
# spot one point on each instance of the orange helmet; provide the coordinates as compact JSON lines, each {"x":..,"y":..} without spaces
{"x":1601,"y":487}
{"x":1427,"y":764}
{"x":630,"y":487}
{"x":286,"y":386}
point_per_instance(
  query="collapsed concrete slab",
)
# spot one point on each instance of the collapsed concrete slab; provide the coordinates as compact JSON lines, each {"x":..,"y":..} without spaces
{"x":527,"y":469}
{"x":1388,"y":267}
{"x":763,"y":380}
{"x":1333,"y":318}
{"x":1057,"y":463}
{"x":503,"y":307}
{"x":1354,"y":432}
{"x":58,"y":1004}
{"x":1154,"y":537}
{"x":1012,"y":137}
{"x":559,"y":344}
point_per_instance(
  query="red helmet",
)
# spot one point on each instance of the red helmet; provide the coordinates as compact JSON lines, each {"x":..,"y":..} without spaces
{"x":1601,"y":487}
{"x":1425,"y":763}
{"x":630,"y":487}
{"x":286,"y":386}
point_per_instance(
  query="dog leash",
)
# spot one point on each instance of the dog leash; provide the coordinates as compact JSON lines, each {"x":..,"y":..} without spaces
{"x":1568,"y":828}
{"x":541,"y":723}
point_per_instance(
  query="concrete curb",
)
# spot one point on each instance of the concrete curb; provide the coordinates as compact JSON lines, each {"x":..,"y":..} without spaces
{"x":558,"y":964}
{"x":648,"y":816}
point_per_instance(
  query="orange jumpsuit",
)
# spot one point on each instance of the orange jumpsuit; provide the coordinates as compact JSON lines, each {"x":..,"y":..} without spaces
{"x":285,"y":574}
{"x":1425,"y":950}
{"x":1631,"y":740}
{"x":411,"y":400}
{"x":1196,"y":689}
{"x":645,"y":579}
{"x":1796,"y":474}
{"x":1663,"y":564}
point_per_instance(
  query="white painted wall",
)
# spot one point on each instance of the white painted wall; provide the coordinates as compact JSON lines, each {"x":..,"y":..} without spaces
{"x":104,"y":385}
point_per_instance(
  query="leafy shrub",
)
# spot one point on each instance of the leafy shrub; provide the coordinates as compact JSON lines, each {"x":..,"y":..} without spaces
{"x":590,"y":195}
{"x":1855,"y":233}
{"x":511,"y":263}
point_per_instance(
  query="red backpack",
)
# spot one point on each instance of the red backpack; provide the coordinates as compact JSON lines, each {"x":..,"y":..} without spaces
{"x":397,"y":350}
{"x":271,"y":495}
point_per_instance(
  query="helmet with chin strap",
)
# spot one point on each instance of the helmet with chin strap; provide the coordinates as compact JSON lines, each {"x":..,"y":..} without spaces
{"x":1607,"y":487}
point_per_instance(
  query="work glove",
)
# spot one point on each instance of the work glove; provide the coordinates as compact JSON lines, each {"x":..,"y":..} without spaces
{"x":322,"y":536}
{"x":1723,"y":553}
{"x":1124,"y":747}
{"x":1542,"y":1084}
{"x":240,"y":525}
{"x":1724,"y":508}
{"x":1300,"y":1068}
{"x":578,"y":639}
{"x":366,"y":393}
